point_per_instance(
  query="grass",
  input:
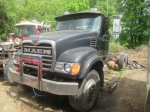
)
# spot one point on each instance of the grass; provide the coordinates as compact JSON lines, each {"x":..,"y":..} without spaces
{"x":118,"y":72}
{"x":115,"y":47}
{"x":16,"y":100}
{"x":144,"y":47}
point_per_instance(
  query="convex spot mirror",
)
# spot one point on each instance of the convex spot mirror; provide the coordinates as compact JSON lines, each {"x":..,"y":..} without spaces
{"x":115,"y":36}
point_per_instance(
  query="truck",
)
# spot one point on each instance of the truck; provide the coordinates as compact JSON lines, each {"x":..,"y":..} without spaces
{"x":69,"y":61}
{"x":13,"y":44}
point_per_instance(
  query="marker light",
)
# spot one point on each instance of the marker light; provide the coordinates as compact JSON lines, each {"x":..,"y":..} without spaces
{"x":75,"y":68}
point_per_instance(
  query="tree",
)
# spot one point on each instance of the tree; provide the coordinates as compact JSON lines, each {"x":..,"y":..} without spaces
{"x":78,"y":5}
{"x":135,"y":22}
{"x":4,"y":20}
{"x":108,"y":8}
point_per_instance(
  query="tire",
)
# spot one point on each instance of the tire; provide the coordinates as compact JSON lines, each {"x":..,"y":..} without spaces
{"x":89,"y":86}
{"x":122,"y":61}
{"x":126,"y":60}
{"x":7,"y":74}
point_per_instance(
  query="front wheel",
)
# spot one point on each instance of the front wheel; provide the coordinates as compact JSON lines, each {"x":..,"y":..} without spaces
{"x":7,"y":73}
{"x":87,"y":93}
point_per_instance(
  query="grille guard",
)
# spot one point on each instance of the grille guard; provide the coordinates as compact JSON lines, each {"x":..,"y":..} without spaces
{"x":59,"y":88}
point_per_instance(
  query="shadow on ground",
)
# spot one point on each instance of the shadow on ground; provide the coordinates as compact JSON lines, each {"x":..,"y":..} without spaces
{"x":128,"y":96}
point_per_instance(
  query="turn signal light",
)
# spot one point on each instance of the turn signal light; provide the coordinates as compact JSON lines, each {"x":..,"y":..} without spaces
{"x":75,"y":69}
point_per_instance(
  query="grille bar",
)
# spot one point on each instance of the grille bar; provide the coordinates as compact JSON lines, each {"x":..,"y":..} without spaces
{"x":47,"y":64}
{"x":46,"y":58}
{"x":38,"y":47}
{"x":30,"y":66}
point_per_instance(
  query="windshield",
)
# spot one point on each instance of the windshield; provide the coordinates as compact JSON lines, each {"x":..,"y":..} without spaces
{"x":79,"y":22}
{"x":26,"y":30}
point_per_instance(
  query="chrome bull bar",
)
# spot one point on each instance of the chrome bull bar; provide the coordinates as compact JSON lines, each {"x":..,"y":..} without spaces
{"x":54,"y":87}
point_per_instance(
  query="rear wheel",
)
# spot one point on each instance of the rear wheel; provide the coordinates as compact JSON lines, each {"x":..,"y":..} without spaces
{"x":122,"y":61}
{"x":87,"y":93}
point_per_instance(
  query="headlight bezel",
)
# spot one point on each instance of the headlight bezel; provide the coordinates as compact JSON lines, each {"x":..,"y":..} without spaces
{"x":61,"y":67}
{"x":16,"y":59}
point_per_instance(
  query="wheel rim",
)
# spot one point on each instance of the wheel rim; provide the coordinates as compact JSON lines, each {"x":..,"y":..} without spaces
{"x":90,"y":90}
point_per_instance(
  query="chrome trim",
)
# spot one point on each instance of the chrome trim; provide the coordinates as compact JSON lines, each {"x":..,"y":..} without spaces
{"x":46,"y":69}
{"x":37,"y":47}
{"x":32,"y":66}
{"x":28,"y":54}
{"x":47,"y":64}
{"x":54,"y":87}
{"x":46,"y":60}
{"x":53,"y":44}
{"x":60,"y":88}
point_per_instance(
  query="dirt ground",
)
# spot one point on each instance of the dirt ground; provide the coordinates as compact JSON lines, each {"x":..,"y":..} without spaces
{"x":128,"y":96}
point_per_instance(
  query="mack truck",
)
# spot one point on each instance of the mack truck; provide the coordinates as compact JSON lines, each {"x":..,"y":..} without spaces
{"x":69,"y":61}
{"x":13,"y":44}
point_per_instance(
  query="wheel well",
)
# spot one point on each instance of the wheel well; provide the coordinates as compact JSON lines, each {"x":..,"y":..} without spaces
{"x":98,"y":66}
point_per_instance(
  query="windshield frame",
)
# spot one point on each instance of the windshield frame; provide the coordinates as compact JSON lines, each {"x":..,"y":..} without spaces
{"x":78,"y":17}
{"x":30,"y":30}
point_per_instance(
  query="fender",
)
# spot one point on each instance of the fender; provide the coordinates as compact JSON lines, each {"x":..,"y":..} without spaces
{"x":88,"y":64}
{"x":77,"y":55}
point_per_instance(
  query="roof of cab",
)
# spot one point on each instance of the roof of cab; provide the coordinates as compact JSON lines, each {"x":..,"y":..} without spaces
{"x":84,"y":12}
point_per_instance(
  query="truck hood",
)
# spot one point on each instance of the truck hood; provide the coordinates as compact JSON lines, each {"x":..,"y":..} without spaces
{"x":67,"y":40}
{"x":63,"y":35}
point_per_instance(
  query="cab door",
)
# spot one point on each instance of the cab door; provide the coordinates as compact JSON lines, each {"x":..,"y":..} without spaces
{"x":104,"y":37}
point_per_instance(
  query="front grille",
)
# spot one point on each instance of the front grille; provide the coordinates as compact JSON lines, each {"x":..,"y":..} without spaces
{"x":46,"y":58}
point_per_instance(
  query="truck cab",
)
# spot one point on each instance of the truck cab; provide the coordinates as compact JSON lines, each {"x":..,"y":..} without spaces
{"x":68,"y":61}
{"x":25,"y":29}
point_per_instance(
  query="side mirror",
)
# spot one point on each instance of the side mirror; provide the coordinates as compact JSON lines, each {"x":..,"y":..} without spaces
{"x":115,"y":36}
{"x":116,"y":26}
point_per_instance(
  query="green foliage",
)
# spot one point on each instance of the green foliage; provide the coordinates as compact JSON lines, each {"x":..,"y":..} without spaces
{"x":135,"y":22}
{"x":103,"y":5}
{"x":4,"y":20}
{"x":115,"y":47}
{"x":92,"y":3}
{"x":13,"y":11}
{"x":16,"y":100}
{"x":78,"y":5}
{"x":108,"y":8}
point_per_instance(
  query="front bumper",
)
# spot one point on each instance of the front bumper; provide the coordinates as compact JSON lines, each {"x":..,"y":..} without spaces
{"x":54,"y":87}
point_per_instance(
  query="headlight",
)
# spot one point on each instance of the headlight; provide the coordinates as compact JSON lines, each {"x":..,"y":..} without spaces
{"x":17,"y":41}
{"x":69,"y":68}
{"x":16,"y":60}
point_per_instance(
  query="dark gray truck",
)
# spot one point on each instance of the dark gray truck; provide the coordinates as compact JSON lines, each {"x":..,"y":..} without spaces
{"x":69,"y":61}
